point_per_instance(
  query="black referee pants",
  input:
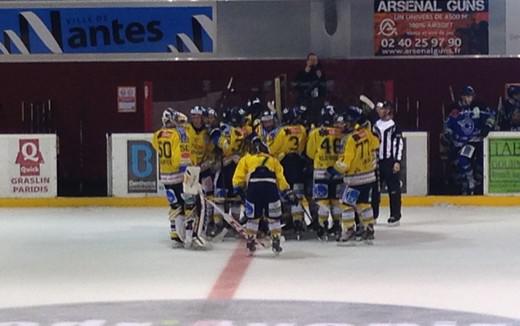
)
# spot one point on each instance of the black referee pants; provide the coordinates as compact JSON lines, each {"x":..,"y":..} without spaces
{"x":392,"y":180}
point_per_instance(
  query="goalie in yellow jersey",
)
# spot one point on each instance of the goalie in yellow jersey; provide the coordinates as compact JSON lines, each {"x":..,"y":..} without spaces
{"x":174,"y":150}
{"x":357,"y":163}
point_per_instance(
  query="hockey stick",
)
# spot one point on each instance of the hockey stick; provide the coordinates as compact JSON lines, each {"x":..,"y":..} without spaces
{"x":363,"y":98}
{"x":452,"y":94}
{"x":234,"y":223}
{"x":306,"y":212}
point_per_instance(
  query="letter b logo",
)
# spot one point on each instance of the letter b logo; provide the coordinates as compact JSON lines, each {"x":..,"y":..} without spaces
{"x":142,"y":167}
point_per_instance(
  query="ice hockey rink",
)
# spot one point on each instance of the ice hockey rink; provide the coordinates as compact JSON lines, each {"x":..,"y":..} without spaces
{"x":444,"y":265}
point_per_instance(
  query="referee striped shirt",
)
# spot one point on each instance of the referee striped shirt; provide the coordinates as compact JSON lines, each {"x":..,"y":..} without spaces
{"x":391,"y":140}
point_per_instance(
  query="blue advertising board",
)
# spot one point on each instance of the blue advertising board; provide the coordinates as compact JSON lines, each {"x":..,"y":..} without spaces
{"x":172,"y":29}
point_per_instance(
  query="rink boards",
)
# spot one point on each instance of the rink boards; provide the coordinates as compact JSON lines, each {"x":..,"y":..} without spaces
{"x":29,"y":172}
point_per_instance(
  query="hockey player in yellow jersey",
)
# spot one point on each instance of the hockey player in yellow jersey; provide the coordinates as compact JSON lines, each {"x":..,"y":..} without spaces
{"x":268,"y":131}
{"x":229,"y":141}
{"x":289,"y":148}
{"x":263,"y":177}
{"x":172,"y":145}
{"x":323,"y":147}
{"x":357,"y":163}
{"x":201,"y":146}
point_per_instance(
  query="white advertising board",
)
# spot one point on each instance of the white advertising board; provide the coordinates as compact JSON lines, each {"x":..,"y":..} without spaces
{"x":28,"y":168}
{"x":416,"y":164}
{"x":132,"y":166}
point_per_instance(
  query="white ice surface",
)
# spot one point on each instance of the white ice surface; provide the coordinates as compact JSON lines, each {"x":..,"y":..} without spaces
{"x":445,"y":257}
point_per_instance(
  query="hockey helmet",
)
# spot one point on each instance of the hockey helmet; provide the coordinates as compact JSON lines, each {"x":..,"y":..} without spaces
{"x":293,"y":115}
{"x":255,"y":107}
{"x":353,"y":114}
{"x":288,"y":116}
{"x":169,"y":117}
{"x":267,"y":115}
{"x":197,"y":110}
{"x":234,"y":116}
{"x":468,"y":91}
{"x":259,"y":146}
{"x":328,"y":114}
{"x":210,"y":112}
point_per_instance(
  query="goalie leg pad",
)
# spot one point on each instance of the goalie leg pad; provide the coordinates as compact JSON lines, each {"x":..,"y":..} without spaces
{"x":180,"y":227}
{"x":207,"y":184}
{"x":172,"y":215}
{"x":174,"y":195}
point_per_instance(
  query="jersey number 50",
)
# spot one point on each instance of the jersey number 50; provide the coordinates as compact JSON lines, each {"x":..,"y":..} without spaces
{"x":165,"y":149}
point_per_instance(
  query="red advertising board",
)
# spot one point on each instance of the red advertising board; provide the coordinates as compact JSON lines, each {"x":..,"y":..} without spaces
{"x":430,"y":27}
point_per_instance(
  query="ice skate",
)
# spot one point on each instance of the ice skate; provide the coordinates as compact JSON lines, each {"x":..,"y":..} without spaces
{"x":298,"y":229}
{"x":199,"y":244}
{"x":360,"y":230}
{"x":177,"y":244}
{"x":251,"y":246}
{"x":219,"y":237}
{"x":277,"y":249}
{"x":368,"y":235}
{"x":348,"y":238}
{"x":394,"y":221}
{"x":322,"y":234}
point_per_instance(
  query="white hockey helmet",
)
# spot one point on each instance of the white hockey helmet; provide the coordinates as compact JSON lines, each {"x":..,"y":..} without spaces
{"x":168,"y":116}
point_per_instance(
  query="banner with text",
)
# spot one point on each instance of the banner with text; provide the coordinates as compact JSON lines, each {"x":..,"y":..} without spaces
{"x":178,"y":28}
{"x":502,"y":163}
{"x":29,"y":166}
{"x":431,"y":27}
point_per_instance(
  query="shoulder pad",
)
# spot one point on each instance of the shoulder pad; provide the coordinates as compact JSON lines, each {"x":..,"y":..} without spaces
{"x":323,"y":132}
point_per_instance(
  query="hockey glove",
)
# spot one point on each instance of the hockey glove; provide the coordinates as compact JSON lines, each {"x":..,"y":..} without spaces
{"x":485,"y":131}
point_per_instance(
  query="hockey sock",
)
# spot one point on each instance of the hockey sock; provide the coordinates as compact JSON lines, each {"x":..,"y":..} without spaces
{"x":252,"y":227}
{"x":348,"y":219}
{"x":275,"y":227}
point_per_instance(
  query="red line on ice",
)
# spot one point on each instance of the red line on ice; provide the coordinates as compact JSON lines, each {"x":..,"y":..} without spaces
{"x":232,"y":275}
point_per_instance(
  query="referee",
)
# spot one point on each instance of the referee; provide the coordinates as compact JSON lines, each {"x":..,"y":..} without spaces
{"x":389,"y":157}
